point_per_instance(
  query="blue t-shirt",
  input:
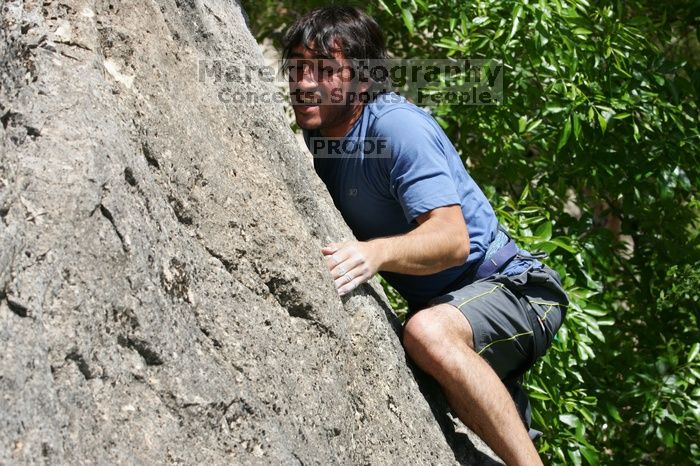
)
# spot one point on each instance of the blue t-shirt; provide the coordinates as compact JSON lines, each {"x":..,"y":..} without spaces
{"x":395,"y":164}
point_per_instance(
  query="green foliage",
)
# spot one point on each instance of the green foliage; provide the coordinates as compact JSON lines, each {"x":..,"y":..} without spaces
{"x":659,"y":393}
{"x":594,"y":158}
{"x":398,"y":304}
{"x":564,"y":408}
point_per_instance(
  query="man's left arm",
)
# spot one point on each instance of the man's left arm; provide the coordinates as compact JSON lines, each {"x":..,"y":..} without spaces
{"x":440,"y":241}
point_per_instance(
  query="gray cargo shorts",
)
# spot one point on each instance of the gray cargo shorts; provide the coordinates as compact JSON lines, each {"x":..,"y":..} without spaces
{"x":513,"y":318}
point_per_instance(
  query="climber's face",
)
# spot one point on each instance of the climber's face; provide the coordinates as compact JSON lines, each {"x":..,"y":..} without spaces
{"x":325,"y":92}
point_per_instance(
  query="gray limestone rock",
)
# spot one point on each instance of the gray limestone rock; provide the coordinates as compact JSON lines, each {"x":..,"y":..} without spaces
{"x":163,"y":299}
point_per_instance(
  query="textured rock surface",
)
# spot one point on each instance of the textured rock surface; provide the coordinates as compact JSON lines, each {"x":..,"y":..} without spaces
{"x":162,"y":295}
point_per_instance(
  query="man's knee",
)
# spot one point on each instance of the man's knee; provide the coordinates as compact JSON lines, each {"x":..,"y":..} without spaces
{"x":433,"y":336}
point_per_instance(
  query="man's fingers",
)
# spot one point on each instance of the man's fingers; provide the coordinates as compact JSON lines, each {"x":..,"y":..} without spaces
{"x":351,"y":285}
{"x":332,"y":254}
{"x":343,"y":280}
{"x":334,"y":260}
{"x":346,"y":264}
{"x":330,"y":249}
{"x":350,"y":280}
{"x":331,"y":261}
{"x":344,"y":259}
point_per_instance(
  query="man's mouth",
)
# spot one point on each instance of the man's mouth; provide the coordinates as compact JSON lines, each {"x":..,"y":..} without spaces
{"x":307,"y":100}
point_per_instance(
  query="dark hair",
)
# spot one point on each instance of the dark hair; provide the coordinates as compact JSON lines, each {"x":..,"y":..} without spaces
{"x":349,"y":30}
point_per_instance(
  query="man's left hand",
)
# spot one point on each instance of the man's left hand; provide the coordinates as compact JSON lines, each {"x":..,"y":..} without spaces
{"x":351,"y":263}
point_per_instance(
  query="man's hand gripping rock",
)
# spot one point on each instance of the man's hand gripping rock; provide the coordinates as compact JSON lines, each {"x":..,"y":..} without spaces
{"x":351,"y":263}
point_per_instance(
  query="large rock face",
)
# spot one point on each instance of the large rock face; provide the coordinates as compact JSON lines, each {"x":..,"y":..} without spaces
{"x":162,"y":294}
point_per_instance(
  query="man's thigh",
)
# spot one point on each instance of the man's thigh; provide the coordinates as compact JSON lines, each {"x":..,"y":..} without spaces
{"x":513,"y":319}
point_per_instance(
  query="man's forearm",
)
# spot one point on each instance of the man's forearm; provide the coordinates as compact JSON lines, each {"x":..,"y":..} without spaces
{"x":440,"y":241}
{"x":434,"y":246}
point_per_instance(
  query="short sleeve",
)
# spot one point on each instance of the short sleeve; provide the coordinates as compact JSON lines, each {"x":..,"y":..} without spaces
{"x":420,"y":177}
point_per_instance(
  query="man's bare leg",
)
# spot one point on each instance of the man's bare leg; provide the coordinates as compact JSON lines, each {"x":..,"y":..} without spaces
{"x":439,"y":340}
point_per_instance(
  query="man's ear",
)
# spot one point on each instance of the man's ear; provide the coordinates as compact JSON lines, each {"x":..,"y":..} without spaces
{"x":364,"y":86}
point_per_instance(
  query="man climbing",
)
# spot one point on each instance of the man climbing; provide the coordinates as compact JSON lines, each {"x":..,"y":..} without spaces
{"x":481,"y":310}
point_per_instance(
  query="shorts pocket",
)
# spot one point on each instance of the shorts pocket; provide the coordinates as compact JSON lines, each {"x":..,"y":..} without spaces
{"x":545,"y":302}
{"x":548,"y":317}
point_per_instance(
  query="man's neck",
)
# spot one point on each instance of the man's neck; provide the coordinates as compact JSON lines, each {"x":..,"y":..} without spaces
{"x":341,"y":130}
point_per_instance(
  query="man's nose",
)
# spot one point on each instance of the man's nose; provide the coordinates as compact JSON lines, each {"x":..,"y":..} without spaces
{"x":308,"y":78}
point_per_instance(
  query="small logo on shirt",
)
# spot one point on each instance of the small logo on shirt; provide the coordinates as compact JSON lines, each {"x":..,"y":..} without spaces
{"x":352,"y":192}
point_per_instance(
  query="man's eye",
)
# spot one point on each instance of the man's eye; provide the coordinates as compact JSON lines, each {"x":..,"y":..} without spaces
{"x":318,"y":69}
{"x":294,"y":72}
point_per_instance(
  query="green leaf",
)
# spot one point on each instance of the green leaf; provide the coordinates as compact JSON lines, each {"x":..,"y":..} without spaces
{"x":590,"y":454}
{"x":563,"y":242}
{"x":667,"y":437}
{"x":602,"y":122}
{"x":580,"y":432}
{"x":586,"y":414}
{"x":544,"y":231}
{"x":515,"y":20}
{"x":594,"y":311}
{"x":522,"y":124}
{"x":614,"y":413}
{"x":695,"y":372}
{"x":385,"y":6}
{"x":575,"y":457}
{"x":577,"y":126}
{"x":554,"y":109}
{"x":694,"y":350}
{"x":539,"y":396}
{"x":408,"y":20}
{"x":622,"y":116}
{"x":570,"y":420}
{"x":524,"y":195}
{"x":533,"y":124}
{"x":566,"y":132}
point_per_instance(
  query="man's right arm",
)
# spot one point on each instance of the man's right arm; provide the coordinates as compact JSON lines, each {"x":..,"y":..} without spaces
{"x":439,"y":242}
